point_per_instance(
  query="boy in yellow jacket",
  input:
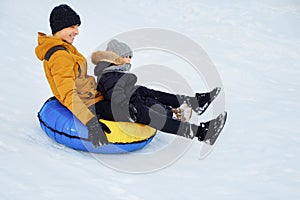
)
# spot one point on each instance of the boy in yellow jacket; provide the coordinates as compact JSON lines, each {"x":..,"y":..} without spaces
{"x":66,"y":71}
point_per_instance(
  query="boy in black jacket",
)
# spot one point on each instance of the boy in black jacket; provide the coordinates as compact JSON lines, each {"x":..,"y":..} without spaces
{"x":144,"y":105}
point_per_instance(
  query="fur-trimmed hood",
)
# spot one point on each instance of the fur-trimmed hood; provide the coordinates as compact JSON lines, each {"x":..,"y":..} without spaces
{"x":108,"y":61}
{"x":107,"y":56}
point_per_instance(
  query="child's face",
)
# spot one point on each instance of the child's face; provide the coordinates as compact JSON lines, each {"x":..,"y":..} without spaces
{"x":68,"y":34}
{"x":127,"y":59}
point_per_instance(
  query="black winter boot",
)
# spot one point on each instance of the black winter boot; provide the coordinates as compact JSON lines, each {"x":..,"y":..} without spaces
{"x":208,"y":132}
{"x":205,"y":99}
{"x":201,"y":101}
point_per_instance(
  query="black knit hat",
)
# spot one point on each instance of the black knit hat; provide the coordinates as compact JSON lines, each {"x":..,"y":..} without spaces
{"x":63,"y":16}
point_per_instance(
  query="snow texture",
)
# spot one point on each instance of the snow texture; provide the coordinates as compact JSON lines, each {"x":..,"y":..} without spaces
{"x":255,"y":47}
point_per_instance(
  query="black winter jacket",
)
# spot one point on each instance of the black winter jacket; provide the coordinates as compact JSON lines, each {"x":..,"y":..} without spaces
{"x":118,"y":87}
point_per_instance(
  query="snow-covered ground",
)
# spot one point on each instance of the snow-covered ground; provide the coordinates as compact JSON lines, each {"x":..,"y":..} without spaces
{"x":255,"y":47}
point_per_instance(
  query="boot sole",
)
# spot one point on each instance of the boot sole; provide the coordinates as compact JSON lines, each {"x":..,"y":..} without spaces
{"x":211,"y":138}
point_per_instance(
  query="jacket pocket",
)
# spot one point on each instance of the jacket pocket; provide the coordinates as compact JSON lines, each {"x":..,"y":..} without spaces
{"x":86,"y":87}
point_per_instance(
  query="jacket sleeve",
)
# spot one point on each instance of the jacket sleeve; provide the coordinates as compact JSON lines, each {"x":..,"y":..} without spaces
{"x":123,"y":89}
{"x":62,"y":67}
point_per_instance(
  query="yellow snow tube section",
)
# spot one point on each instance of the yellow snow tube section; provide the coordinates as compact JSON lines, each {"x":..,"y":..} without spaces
{"x":128,"y":132}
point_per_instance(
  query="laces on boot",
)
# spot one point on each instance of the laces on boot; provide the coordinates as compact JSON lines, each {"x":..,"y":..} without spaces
{"x":205,"y":99}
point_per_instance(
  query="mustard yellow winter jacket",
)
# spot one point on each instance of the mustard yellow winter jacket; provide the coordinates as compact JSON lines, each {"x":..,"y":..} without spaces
{"x":66,"y":72}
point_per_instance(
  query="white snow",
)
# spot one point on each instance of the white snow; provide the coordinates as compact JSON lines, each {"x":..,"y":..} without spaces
{"x":255,"y":46}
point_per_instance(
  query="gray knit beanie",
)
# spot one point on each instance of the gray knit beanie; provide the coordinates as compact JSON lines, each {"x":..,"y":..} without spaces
{"x":119,"y":48}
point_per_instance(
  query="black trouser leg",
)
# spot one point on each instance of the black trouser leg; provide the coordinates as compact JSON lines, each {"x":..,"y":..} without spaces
{"x":145,"y":115}
{"x":163,"y":97}
{"x":105,"y":110}
{"x":148,"y":116}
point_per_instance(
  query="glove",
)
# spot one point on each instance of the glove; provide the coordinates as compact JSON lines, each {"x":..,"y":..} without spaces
{"x":96,"y":134}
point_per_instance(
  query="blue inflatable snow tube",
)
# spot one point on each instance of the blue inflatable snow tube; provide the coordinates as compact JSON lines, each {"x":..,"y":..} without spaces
{"x":63,"y":127}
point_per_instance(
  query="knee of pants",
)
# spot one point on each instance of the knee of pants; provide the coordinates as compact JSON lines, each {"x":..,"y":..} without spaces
{"x":145,"y":92}
{"x":143,"y":115}
{"x":151,"y":117}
